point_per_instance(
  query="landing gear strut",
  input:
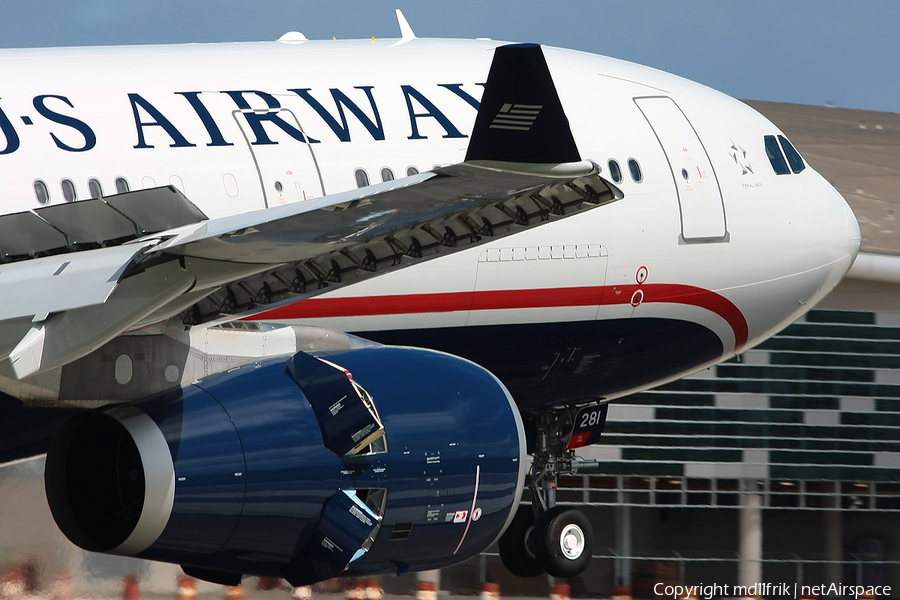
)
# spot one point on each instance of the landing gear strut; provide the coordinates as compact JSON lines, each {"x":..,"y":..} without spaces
{"x":544,"y":537}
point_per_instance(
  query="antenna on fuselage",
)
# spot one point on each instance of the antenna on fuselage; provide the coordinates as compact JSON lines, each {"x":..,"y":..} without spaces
{"x":292,"y":37}
{"x":406,"y":32}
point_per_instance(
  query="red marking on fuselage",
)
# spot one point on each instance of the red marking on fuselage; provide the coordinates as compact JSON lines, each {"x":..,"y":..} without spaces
{"x":359,"y":306}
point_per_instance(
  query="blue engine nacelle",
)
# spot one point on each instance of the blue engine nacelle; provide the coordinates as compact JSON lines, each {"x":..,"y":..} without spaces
{"x":364,"y":461}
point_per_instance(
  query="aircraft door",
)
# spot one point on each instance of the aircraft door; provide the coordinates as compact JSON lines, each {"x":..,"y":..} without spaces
{"x":287,"y":168}
{"x":696,"y":184}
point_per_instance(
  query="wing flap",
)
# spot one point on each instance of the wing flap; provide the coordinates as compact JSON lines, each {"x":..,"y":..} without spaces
{"x":156,"y":209}
{"x":62,"y":282}
{"x":25,"y":235}
{"x":462,"y":206}
{"x":89,"y":223}
{"x":458,"y":191}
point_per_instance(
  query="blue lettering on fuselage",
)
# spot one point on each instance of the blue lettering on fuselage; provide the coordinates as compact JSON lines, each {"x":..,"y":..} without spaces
{"x":90,"y":140}
{"x":9,"y":132}
{"x":257,"y":119}
{"x":342,"y":130}
{"x":137,"y":101}
{"x":410,"y":93}
{"x":147,"y":116}
{"x":215,"y":135}
{"x":456,"y":88}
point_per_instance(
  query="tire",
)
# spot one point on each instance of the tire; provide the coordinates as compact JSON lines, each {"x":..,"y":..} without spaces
{"x":564,"y":542}
{"x":514,"y":551}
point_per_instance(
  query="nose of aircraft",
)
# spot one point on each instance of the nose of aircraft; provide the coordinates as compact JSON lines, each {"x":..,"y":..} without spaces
{"x":854,"y":237}
{"x":840,"y":235}
{"x":847,"y":236}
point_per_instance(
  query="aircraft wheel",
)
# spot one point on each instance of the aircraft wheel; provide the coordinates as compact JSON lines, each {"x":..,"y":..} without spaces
{"x":515,"y":551}
{"x":564,"y":541}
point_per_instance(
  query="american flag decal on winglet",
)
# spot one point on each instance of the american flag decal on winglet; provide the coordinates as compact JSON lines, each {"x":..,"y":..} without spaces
{"x":518,"y":117}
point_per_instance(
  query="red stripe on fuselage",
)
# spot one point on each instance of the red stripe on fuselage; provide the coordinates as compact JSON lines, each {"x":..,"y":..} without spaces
{"x":321,"y":308}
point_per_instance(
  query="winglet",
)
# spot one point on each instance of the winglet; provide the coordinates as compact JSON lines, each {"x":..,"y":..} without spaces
{"x":406,"y":32}
{"x":521,"y":118}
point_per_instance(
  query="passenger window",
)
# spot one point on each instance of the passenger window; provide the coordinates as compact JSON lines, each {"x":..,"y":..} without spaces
{"x":41,"y":192}
{"x":177,"y":182}
{"x":410,"y":171}
{"x":94,"y":188}
{"x":614,"y":171}
{"x":68,"y":190}
{"x":793,"y":157}
{"x":362,"y":178}
{"x":231,"y":186}
{"x":773,"y":151}
{"x":635,"y":170}
{"x":387,"y":174}
{"x":122,"y":185}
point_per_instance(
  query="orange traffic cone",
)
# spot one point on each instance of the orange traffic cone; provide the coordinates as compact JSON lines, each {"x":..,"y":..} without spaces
{"x":269,"y":583}
{"x":426,"y":590}
{"x":130,"y":589}
{"x":560,"y":591}
{"x":356,"y":589}
{"x":12,"y":584}
{"x":490,"y":591}
{"x":186,"y":588}
{"x":234,"y":592}
{"x":373,"y":590}
{"x":621,"y":592}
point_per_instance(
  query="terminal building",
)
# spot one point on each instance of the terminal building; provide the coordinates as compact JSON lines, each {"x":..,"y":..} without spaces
{"x":780,"y":466}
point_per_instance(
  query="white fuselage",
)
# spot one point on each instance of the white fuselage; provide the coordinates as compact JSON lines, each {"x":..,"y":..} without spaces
{"x":710,"y":236}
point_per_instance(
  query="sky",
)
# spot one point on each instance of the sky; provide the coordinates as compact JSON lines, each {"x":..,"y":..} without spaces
{"x":844,"y":52}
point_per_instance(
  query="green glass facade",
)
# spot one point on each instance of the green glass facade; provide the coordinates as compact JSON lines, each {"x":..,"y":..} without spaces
{"x":819,"y":402}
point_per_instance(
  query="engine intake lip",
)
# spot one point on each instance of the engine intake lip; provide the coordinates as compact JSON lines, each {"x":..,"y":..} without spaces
{"x":110,"y":481}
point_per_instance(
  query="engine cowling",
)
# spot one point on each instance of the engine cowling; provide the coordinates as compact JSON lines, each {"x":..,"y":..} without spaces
{"x":364,"y":461}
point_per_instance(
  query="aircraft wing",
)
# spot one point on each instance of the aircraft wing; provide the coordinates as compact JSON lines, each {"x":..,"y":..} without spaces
{"x":77,"y":275}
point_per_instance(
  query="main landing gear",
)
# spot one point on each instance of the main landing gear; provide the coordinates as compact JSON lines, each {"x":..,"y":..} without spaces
{"x":544,"y":537}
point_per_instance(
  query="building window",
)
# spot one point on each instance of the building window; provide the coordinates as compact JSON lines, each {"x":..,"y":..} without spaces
{"x":362,"y":178}
{"x":68,"y":190}
{"x":387,"y":174}
{"x":41,"y":192}
{"x":410,"y":171}
{"x":94,"y":188}
{"x":635,"y":169}
{"x":614,"y":171}
{"x":122,"y":185}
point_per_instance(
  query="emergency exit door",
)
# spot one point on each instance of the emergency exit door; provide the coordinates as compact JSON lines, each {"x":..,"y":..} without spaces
{"x":696,"y":184}
{"x":287,"y":167}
